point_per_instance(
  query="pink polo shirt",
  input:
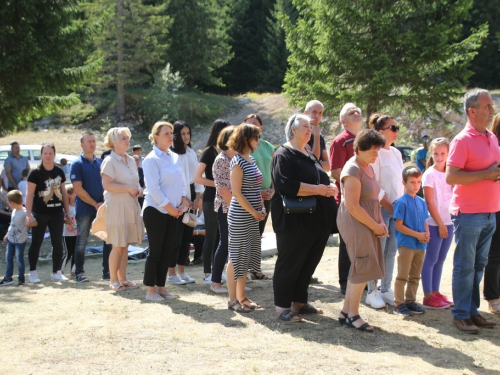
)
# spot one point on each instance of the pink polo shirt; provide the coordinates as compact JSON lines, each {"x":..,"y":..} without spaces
{"x":473,"y":151}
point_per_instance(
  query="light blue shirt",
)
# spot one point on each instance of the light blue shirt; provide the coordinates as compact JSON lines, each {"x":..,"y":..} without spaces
{"x":164,"y":180}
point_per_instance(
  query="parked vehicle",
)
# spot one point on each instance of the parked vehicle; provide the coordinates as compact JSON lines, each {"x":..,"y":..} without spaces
{"x":32,"y":152}
{"x":405,"y":152}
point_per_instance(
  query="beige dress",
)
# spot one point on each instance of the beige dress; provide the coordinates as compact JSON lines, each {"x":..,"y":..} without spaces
{"x":363,"y":247}
{"x":118,"y":220}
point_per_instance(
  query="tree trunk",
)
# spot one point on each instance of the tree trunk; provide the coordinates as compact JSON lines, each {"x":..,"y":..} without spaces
{"x":120,"y":85}
{"x":370,"y":109}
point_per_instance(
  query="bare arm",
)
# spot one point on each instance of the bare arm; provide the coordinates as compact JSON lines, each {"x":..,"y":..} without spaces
{"x":8,"y":172}
{"x":335,"y":173}
{"x":113,"y":187}
{"x":308,"y":189}
{"x":431,"y":206}
{"x":387,"y":205}
{"x":457,"y":176}
{"x":83,"y":195}
{"x":325,"y":163}
{"x":225,"y":193}
{"x":236,"y":183}
{"x":198,"y":176}
{"x":30,"y":195}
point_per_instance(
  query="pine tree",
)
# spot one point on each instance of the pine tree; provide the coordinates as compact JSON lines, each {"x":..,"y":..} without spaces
{"x":39,"y":44}
{"x":377,"y":53}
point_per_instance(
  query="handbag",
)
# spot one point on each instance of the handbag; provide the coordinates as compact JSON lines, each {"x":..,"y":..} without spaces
{"x":190,"y":219}
{"x":299,"y":205}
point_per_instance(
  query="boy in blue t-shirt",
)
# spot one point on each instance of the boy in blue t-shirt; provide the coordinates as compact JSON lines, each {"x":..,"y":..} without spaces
{"x":412,"y":233}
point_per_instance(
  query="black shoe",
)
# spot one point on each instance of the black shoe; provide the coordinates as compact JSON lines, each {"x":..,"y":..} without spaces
{"x":21,"y":281}
{"x":415,"y":308}
{"x":106,"y":276}
{"x":6,"y":281}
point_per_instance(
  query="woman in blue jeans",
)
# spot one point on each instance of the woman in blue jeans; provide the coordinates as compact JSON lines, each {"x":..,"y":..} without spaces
{"x":388,"y":170}
{"x":204,"y":176}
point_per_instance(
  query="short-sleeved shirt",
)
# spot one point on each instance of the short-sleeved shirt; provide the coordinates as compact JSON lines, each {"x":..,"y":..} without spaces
{"x":421,"y":154}
{"x":322,"y":143}
{"x":263,"y":156}
{"x":17,"y":166}
{"x":88,"y":172}
{"x":413,"y":212}
{"x":442,"y":193}
{"x":222,"y":179}
{"x":121,"y":173}
{"x":18,"y":232}
{"x":48,"y":199}
{"x":473,"y":151}
{"x":341,"y":150}
{"x":208,"y":157}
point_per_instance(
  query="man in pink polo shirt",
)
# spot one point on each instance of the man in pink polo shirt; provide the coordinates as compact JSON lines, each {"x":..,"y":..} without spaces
{"x":473,"y":167}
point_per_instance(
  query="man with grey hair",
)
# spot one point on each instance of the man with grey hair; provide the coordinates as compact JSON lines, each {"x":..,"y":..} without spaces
{"x":473,"y":169}
{"x":341,"y":151}
{"x":14,"y":165}
{"x":314,"y":109}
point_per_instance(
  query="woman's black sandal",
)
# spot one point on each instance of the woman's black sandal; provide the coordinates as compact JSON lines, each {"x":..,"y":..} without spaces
{"x":342,"y":320}
{"x":362,"y":327}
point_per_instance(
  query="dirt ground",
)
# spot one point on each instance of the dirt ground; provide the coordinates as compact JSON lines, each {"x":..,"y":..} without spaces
{"x":87,"y":329}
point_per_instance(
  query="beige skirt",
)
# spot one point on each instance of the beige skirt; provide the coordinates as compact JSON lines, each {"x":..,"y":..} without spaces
{"x":119,"y":222}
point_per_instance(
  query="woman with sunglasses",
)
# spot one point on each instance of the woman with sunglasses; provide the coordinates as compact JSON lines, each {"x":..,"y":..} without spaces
{"x":388,"y":172}
{"x":45,"y":200}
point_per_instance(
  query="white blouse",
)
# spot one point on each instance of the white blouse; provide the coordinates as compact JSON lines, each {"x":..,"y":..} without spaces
{"x":389,"y":172}
{"x":188,"y":163}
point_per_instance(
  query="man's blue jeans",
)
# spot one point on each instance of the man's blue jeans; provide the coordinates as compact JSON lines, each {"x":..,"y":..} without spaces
{"x":473,"y":234}
{"x":83,"y":224}
{"x":16,"y":249}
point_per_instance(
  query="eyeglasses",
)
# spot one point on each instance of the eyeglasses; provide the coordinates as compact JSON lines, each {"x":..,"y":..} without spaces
{"x":394,"y":128}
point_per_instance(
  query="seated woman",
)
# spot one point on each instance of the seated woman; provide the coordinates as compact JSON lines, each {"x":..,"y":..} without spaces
{"x":301,"y":237}
{"x":361,"y":224}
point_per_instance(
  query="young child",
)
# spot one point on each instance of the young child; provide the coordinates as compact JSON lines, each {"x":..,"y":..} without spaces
{"x":437,"y":195}
{"x":412,"y":233}
{"x":69,"y":232}
{"x":23,"y":185}
{"x":15,"y":238}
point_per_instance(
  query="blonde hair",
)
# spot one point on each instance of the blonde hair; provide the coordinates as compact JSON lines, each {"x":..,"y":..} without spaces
{"x":70,"y":189}
{"x":157,"y":129}
{"x":441,"y":141}
{"x":112,"y":136}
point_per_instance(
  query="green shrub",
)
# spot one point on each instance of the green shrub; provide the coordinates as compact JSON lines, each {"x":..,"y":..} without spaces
{"x":75,"y":114}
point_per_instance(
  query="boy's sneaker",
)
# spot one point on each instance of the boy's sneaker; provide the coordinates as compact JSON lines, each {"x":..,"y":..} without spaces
{"x":188,"y":279}
{"x":374,"y":300}
{"x":403,"y":310}
{"x":6,"y":281}
{"x":444,"y":299}
{"x":435,"y":303}
{"x":415,"y":308}
{"x":208,"y":279}
{"x":81,"y":278}
{"x":58,"y":276}
{"x":388,"y":297}
{"x":33,"y":277}
{"x":174,"y":279}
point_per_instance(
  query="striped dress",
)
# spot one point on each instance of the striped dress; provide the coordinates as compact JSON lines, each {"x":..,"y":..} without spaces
{"x":244,"y":235}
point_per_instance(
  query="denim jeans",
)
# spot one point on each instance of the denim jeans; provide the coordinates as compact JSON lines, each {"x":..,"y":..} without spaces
{"x":390,"y":248}
{"x":83,"y":224}
{"x":18,"y":250}
{"x":473,"y":234}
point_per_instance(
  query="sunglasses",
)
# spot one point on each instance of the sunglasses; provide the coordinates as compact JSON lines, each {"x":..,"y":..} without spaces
{"x":394,"y":128}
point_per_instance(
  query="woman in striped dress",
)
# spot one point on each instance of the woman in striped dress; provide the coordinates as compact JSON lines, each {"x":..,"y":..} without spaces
{"x":245,"y":213}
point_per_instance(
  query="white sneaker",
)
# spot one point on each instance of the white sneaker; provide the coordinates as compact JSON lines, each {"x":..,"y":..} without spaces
{"x":374,"y":300}
{"x":33,"y":277}
{"x":174,"y":279}
{"x":219,"y":290}
{"x":188,"y":279}
{"x":208,"y":279}
{"x":155,"y":297}
{"x":388,"y":297}
{"x":58,"y":277}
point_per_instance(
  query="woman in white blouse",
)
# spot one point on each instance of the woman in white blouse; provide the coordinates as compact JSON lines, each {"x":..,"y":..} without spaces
{"x":388,"y":171}
{"x":188,"y":163}
{"x":164,"y":204}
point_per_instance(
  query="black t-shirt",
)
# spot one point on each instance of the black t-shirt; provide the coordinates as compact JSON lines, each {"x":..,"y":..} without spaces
{"x":289,"y":169}
{"x":208,"y":157}
{"x":48,"y":198}
{"x":322,"y":143}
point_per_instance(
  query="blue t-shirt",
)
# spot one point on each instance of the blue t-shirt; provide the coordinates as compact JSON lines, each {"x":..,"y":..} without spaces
{"x":89,"y":173}
{"x":413,"y":212}
{"x":421,"y":154}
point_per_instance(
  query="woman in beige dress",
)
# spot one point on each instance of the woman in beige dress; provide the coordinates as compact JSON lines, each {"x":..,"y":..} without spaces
{"x":360,"y":224}
{"x":118,"y":220}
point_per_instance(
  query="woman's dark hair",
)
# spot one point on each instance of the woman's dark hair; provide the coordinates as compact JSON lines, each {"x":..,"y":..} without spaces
{"x":368,"y":138}
{"x":217,"y":126}
{"x":241,"y":137}
{"x":178,"y":145}
{"x":377,"y":121}
{"x":224,"y":136}
{"x":253,"y":115}
{"x":40,"y":167}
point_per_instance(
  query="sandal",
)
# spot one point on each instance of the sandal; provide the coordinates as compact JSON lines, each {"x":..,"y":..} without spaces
{"x":310,"y":309}
{"x":117,"y":287}
{"x":494,"y":307}
{"x":129,"y":284}
{"x":251,"y":304}
{"x":238,"y":307}
{"x":342,"y":320}
{"x":288,"y":315}
{"x":263,"y":276}
{"x":364,"y":327}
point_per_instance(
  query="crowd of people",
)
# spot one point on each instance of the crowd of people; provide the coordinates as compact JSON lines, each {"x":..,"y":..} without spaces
{"x":240,"y":179}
